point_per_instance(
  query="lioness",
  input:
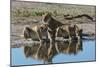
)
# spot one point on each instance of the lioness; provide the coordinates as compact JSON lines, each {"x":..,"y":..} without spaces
{"x":51,"y":21}
{"x":53,"y":24}
{"x":69,"y":31}
{"x":36,"y":32}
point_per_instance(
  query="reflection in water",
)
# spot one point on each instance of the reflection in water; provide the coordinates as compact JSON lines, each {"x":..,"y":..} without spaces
{"x":46,"y":51}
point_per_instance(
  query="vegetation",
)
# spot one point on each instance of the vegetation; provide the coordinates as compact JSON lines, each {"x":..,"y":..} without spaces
{"x":34,"y":10}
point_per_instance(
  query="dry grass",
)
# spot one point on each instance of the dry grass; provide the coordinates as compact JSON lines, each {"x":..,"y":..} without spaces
{"x":32,"y":9}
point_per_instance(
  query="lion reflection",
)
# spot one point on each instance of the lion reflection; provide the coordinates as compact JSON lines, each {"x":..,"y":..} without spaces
{"x":46,"y":51}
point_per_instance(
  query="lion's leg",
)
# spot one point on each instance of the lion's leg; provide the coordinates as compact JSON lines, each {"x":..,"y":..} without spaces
{"x":49,"y":36}
{"x":56,"y":34}
{"x":77,"y":35}
{"x":39,"y":34}
{"x":77,"y":31}
{"x":69,"y":35}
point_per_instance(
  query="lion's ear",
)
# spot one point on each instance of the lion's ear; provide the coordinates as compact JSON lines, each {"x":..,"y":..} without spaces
{"x":46,"y":14}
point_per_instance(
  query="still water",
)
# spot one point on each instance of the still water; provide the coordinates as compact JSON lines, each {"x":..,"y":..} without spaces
{"x":58,"y":52}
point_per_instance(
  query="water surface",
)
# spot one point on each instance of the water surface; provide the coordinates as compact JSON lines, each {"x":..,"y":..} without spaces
{"x":58,"y":52}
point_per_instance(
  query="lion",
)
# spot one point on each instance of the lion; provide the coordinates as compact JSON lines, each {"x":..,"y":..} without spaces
{"x":36,"y":32}
{"x":53,"y":24}
{"x":51,"y":21}
{"x":69,"y":31}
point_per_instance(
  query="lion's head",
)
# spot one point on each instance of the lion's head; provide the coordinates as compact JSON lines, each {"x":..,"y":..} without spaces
{"x":46,"y":17}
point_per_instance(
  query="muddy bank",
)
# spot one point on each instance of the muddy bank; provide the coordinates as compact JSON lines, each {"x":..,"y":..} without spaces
{"x":17,"y":30}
